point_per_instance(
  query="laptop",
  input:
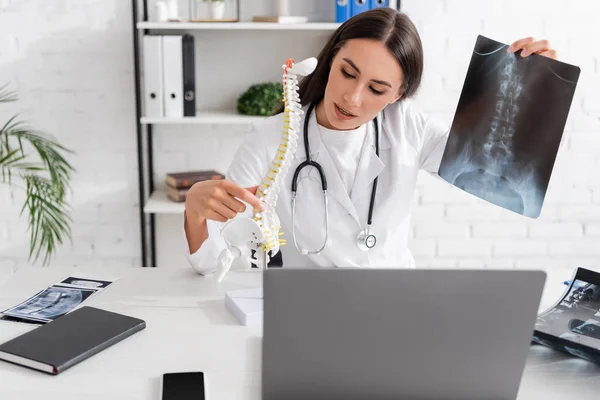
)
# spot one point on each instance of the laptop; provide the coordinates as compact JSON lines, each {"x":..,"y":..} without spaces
{"x":397,"y":333}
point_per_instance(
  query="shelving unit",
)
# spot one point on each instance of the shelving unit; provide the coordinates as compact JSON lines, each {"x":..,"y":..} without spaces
{"x":312,"y":26}
{"x":156,"y":202}
{"x":205,"y":117}
{"x":159,"y":203}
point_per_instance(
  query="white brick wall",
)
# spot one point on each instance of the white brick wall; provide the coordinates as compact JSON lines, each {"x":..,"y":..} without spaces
{"x":592,"y":230}
{"x":72,"y":64}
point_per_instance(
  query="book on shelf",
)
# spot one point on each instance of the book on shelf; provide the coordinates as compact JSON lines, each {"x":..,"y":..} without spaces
{"x":572,"y":325}
{"x":179,"y":183}
{"x":186,"y":179}
{"x":177,"y":195}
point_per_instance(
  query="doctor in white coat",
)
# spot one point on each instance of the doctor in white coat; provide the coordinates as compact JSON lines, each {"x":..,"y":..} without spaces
{"x":369,"y":68}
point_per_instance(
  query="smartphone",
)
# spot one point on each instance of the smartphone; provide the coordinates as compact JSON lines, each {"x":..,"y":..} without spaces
{"x":183,"y":386}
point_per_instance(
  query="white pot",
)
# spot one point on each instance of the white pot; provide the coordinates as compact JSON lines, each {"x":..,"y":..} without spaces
{"x":217,"y":9}
{"x":284,"y":8}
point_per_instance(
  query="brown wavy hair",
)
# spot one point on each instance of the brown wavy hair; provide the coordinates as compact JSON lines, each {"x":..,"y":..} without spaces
{"x":386,"y":25}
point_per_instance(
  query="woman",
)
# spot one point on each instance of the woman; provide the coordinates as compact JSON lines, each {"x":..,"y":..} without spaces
{"x":373,"y":63}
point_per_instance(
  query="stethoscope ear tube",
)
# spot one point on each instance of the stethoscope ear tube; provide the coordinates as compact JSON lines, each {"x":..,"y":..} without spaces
{"x":306,"y":120}
{"x":309,"y":163}
{"x":374,"y":190}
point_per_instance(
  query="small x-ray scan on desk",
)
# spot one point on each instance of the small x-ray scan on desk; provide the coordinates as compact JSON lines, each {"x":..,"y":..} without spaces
{"x":55,"y":301}
{"x":572,"y":325}
{"x":508,"y":126}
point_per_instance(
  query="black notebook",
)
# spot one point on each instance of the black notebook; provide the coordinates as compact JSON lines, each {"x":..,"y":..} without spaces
{"x":72,"y":338}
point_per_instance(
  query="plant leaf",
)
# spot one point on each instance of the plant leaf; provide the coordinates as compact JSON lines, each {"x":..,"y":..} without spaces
{"x":49,"y":151}
{"x":7,"y":95}
{"x":6,"y":162}
{"x":46,"y":181}
{"x":49,"y":219}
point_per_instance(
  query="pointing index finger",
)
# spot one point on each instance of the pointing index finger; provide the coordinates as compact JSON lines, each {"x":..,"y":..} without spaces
{"x":244,"y":195}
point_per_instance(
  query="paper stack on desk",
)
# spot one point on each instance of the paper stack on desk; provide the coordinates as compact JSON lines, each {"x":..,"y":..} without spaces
{"x":246,"y":305}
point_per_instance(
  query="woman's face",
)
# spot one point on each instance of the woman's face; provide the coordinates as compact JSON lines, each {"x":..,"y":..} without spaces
{"x":365,"y":77}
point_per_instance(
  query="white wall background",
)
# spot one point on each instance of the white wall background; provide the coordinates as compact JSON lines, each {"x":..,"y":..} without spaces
{"x":72,"y":65}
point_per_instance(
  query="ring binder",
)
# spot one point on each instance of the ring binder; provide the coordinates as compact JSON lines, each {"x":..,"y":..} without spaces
{"x":173,"y":75}
{"x":153,"y":76}
{"x":342,"y":10}
{"x":189,"y":76}
{"x":358,"y":6}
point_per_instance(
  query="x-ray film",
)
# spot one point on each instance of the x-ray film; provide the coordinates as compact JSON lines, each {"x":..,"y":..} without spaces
{"x":508,"y":126}
{"x":572,"y":325}
{"x":56,"y":300}
{"x":49,"y":304}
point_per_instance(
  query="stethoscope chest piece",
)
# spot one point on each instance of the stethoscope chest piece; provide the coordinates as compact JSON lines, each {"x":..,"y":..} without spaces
{"x":366,"y":240}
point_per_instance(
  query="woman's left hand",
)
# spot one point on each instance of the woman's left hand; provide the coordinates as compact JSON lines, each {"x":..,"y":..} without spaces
{"x":531,"y":46}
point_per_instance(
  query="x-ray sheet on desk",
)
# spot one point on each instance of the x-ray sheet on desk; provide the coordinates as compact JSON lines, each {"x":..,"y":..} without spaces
{"x":56,"y":300}
{"x":572,"y":325}
{"x":508,"y":126}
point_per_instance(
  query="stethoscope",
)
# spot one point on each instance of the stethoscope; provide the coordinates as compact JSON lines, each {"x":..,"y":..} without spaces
{"x":365,"y":239}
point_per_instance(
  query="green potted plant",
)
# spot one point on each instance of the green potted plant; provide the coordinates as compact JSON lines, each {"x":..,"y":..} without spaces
{"x":34,"y":161}
{"x":261,"y":99}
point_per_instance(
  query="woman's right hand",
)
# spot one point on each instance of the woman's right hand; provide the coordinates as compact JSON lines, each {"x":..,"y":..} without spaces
{"x":218,"y":200}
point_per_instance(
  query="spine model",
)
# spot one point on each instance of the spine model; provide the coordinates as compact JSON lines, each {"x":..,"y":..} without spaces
{"x":261,"y":232}
{"x":270,"y":186}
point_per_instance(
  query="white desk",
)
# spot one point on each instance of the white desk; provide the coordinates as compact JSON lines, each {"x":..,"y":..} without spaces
{"x":188,"y":328}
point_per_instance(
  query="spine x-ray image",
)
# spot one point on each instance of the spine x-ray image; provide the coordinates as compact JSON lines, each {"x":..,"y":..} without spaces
{"x":50,"y":304}
{"x":508,"y":126}
{"x":55,"y":301}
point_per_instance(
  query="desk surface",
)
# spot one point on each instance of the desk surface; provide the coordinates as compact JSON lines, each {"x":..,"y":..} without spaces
{"x":189,"y":329}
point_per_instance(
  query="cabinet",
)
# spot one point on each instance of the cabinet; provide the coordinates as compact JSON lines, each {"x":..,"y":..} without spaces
{"x":230,"y":56}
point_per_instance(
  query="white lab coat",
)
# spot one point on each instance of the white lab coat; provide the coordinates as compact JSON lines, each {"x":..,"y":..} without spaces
{"x":409,"y":142}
